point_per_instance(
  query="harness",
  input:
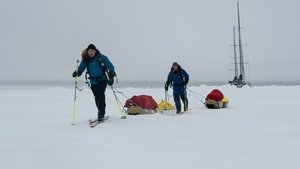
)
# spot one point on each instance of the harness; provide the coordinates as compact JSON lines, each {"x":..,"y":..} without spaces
{"x":101,"y":65}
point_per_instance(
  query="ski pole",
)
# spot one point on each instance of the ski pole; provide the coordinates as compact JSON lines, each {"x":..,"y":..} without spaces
{"x":166,"y":98}
{"x":166,"y":94}
{"x":118,"y":102}
{"x":75,"y":96}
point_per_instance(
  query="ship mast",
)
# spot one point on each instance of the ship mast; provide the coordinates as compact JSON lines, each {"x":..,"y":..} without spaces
{"x":242,"y":72}
{"x":235,"y":59}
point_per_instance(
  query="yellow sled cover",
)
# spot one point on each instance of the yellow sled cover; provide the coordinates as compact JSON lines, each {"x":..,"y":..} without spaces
{"x":165,"y":105}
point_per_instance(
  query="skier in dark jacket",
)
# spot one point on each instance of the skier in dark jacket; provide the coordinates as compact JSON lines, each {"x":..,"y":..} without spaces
{"x":97,"y":66}
{"x":178,"y":78}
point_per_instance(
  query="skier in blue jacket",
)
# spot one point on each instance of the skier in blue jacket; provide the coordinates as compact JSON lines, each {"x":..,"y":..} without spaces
{"x":178,"y":78}
{"x":97,"y":66}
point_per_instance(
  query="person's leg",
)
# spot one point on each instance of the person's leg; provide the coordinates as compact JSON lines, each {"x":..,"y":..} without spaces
{"x":102,"y":103}
{"x":177,"y":103}
{"x":177,"y":98}
{"x":185,"y":102}
{"x":183,"y":97}
{"x":96,"y":95}
{"x":99,"y":93}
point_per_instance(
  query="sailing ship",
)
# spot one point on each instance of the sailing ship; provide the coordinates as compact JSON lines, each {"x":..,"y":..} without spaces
{"x":239,"y":73}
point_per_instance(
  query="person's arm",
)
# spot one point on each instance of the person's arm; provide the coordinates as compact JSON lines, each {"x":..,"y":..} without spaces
{"x":186,"y":77}
{"x":82,"y":66}
{"x":109,"y":66}
{"x":168,"y":82}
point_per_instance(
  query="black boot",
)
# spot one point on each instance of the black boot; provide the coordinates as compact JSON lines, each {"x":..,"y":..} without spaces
{"x":186,"y":106}
{"x":100,"y":116}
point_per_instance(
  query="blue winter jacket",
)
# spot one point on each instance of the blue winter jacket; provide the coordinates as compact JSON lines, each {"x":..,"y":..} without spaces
{"x":180,"y":77}
{"x":96,"y":67}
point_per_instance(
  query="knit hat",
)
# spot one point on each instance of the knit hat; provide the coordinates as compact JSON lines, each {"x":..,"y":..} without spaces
{"x":91,"y":46}
{"x":175,"y":64}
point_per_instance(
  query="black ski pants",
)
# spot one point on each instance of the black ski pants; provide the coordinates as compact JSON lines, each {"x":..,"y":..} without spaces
{"x":99,"y":94}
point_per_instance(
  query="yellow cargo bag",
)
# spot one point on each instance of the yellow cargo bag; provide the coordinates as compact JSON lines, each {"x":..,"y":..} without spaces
{"x":165,"y":105}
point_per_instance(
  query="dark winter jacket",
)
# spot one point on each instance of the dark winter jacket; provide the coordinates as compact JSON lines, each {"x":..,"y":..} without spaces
{"x":178,"y":77}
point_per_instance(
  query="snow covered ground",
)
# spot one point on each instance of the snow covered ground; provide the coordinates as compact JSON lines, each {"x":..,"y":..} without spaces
{"x":259,"y":130}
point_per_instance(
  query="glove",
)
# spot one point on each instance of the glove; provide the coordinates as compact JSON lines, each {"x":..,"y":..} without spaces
{"x":185,"y":83}
{"x":166,"y":86}
{"x":111,"y":74}
{"x":75,"y":73}
{"x":110,"y":82}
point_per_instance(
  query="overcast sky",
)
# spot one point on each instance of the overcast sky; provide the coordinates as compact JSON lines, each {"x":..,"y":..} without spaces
{"x":42,"y":39}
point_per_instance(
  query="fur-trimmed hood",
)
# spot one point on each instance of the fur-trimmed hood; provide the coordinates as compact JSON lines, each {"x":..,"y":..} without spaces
{"x":178,"y":68}
{"x":85,"y":55}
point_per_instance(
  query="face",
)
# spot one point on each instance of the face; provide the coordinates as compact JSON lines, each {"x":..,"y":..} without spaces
{"x":175,"y":67}
{"x":91,"y":52}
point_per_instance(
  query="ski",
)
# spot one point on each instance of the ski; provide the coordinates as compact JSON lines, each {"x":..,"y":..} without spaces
{"x":91,"y":121}
{"x":94,"y":123}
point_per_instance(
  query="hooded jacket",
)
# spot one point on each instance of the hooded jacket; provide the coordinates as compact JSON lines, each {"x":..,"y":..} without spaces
{"x":178,"y":77}
{"x":96,"y":66}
